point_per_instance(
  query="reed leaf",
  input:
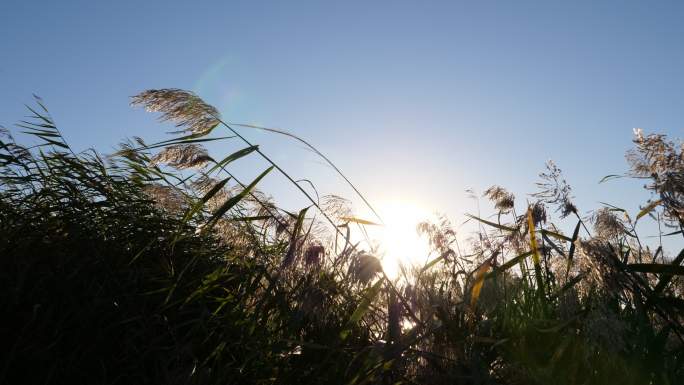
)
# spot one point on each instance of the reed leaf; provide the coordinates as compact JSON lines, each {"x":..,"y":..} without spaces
{"x":358,"y":221}
{"x":232,"y":157}
{"x":493,"y":224}
{"x":571,"y":252}
{"x":665,"y":279}
{"x":294,"y":239}
{"x":510,"y":263}
{"x":362,"y":308}
{"x":650,"y":207}
{"x":656,"y":268}
{"x":233,"y":201}
{"x":480,"y":275}
{"x":199,"y":204}
{"x":556,"y":235}
{"x":533,"y":238}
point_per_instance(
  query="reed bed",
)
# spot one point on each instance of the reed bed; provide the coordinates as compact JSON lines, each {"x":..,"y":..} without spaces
{"x":156,"y":265}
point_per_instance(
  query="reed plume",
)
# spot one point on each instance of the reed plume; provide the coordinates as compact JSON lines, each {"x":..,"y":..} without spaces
{"x":187,"y":110}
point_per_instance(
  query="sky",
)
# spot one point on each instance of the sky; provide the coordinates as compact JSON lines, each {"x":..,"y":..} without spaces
{"x":415,"y":101}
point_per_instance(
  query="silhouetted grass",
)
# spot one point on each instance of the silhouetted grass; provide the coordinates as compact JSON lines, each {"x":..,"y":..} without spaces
{"x":156,"y":265}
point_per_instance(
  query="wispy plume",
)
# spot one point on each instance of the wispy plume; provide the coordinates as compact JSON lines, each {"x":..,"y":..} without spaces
{"x":554,"y":190}
{"x":166,"y":197}
{"x":182,"y":156}
{"x":662,"y":161}
{"x":607,"y":224}
{"x":503,"y":200}
{"x":364,"y":267}
{"x":190,"y":113}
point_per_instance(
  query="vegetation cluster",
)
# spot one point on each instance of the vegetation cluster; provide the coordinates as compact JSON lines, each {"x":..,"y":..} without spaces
{"x":157,"y":265}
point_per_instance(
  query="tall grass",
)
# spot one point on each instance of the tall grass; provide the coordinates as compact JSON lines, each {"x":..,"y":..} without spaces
{"x":157,"y":265}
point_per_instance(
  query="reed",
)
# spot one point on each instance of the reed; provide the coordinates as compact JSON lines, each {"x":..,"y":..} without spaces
{"x":156,"y":265}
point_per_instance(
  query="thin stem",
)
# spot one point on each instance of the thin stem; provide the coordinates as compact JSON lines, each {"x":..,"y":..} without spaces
{"x":277,"y":167}
{"x":315,"y":150}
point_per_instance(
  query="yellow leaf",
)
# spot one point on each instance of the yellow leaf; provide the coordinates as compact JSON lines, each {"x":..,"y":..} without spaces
{"x":648,"y":208}
{"x":533,"y":237}
{"x":359,"y":221}
{"x":479,"y":281}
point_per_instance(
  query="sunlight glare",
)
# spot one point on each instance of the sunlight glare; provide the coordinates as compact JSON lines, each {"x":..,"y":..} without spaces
{"x":398,"y":241}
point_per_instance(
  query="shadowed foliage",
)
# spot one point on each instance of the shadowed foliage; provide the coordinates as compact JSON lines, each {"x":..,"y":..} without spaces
{"x":157,"y":265}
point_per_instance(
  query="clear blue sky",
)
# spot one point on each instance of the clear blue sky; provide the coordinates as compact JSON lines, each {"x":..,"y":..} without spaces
{"x":414,"y":100}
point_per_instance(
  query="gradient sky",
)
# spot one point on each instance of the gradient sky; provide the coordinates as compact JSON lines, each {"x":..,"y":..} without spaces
{"x":414,"y":100}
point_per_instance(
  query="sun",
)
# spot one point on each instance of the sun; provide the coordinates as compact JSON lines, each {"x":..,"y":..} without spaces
{"x":398,"y":241}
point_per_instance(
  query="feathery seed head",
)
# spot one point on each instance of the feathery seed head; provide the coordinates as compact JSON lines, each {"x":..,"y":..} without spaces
{"x":638,"y":134}
{"x":364,"y":267}
{"x":662,"y":161}
{"x":503,"y":200}
{"x":313,"y":254}
{"x":166,"y":197}
{"x":607,"y":224}
{"x":555,"y":190}
{"x":182,"y":156}
{"x":184,"y":108}
{"x":538,"y":213}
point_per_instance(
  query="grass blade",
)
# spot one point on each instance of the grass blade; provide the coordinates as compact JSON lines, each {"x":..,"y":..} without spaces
{"x":198,"y":206}
{"x":234,"y":200}
{"x":571,"y":252}
{"x":650,"y":207}
{"x":358,"y":221}
{"x":533,"y":238}
{"x":512,"y":262}
{"x":493,"y":224}
{"x":362,"y":309}
{"x":442,"y":257}
{"x":232,"y":157}
{"x":664,"y":280}
{"x":556,"y":235}
{"x":656,"y":268}
{"x":294,"y":239}
{"x":480,"y":275}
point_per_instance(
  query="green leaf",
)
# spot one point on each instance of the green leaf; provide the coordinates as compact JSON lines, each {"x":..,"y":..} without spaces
{"x":232,"y":157}
{"x":572,"y":282}
{"x":234,"y":200}
{"x":609,"y":177}
{"x":254,"y":218}
{"x":575,"y":235}
{"x":437,"y":260}
{"x":294,"y":239}
{"x":54,"y":142}
{"x":672,"y":301}
{"x":665,"y":279}
{"x":656,"y":268}
{"x":512,"y":262}
{"x":362,"y":309}
{"x":556,"y":235}
{"x":198,"y":206}
{"x":174,"y":142}
{"x":560,"y":326}
{"x":571,"y":252}
{"x":498,"y":226}
{"x":40,"y":116}
{"x":553,"y":244}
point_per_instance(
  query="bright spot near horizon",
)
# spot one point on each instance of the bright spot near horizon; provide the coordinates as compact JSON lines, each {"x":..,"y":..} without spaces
{"x":398,"y":240}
